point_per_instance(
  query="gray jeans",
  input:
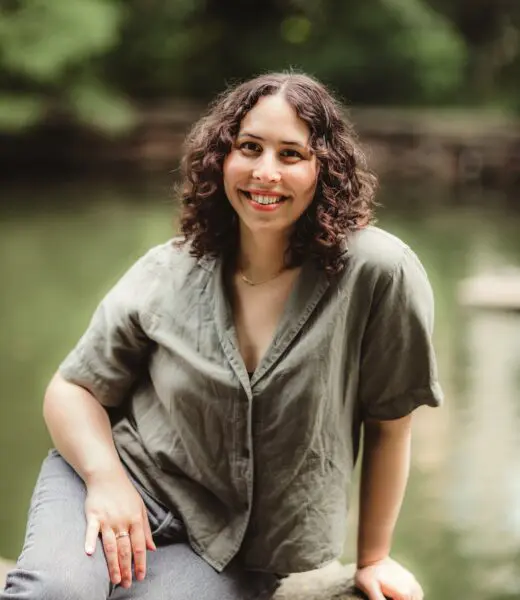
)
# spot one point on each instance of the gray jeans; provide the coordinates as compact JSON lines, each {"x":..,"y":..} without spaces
{"x":53,"y":565}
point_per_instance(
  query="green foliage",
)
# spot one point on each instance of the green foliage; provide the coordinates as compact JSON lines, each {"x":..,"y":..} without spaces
{"x":42,"y":39}
{"x":95,"y":104}
{"x":20,"y":112}
{"x":46,"y":49}
{"x":429,"y":42}
{"x":158,"y":42}
{"x":491,"y":31}
{"x":376,"y":51}
{"x":296,"y":29}
{"x":87,"y":58}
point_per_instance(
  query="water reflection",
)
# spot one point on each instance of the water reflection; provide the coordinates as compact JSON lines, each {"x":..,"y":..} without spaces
{"x":460,"y":526}
{"x":486,"y":461}
{"x":483,"y":492}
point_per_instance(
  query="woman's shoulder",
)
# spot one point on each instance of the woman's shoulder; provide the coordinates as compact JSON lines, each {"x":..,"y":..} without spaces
{"x":168,"y":264}
{"x":162,"y":269}
{"x":379,"y":251}
{"x":172,"y":255}
{"x":379,"y":263}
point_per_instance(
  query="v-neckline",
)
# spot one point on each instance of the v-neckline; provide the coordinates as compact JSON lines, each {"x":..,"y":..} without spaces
{"x":307,"y":290}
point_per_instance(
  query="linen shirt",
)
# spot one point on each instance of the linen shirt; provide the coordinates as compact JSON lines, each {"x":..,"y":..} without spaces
{"x":259,"y":467}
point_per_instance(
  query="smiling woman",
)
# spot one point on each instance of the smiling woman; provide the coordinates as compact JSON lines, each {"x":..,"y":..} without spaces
{"x":244,"y":359}
{"x":266,"y":136}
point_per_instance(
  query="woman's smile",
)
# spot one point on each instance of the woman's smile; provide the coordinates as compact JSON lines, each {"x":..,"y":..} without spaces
{"x":262,"y":200}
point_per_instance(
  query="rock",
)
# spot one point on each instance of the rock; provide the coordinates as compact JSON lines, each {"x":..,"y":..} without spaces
{"x":333,"y":582}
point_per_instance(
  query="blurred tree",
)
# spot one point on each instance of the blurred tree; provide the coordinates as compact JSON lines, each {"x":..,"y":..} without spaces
{"x":161,"y":43}
{"x":50,"y":60}
{"x":491,"y":30}
{"x":398,"y":51}
{"x":86,"y":57}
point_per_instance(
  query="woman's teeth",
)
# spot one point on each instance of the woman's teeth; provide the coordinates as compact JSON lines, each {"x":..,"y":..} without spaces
{"x":266,"y":199}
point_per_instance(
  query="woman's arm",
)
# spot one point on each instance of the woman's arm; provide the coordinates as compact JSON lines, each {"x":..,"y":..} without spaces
{"x":100,"y":372}
{"x":80,"y":429}
{"x":385,"y":468}
{"x":386,"y":463}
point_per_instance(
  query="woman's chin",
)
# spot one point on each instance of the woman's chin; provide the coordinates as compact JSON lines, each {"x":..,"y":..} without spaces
{"x":265,"y":226}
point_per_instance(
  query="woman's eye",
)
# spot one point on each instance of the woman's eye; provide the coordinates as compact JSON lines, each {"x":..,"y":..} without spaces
{"x":250,"y":147}
{"x":290,"y":154}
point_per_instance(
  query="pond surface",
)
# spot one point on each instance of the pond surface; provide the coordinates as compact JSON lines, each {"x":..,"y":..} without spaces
{"x":63,"y":245}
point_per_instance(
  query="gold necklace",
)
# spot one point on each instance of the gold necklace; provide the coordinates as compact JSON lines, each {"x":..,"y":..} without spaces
{"x":246,"y":279}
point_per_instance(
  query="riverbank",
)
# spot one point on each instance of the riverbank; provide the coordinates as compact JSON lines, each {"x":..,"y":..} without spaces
{"x":330,"y":583}
{"x":454,"y":146}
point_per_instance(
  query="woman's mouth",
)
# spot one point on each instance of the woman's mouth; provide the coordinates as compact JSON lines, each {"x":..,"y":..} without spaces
{"x":266,"y":201}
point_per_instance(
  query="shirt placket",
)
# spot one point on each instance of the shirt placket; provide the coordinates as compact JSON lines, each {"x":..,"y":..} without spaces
{"x":307,"y":293}
{"x":241,"y":430}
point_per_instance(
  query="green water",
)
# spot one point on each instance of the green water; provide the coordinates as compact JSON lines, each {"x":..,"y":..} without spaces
{"x":61,"y":247}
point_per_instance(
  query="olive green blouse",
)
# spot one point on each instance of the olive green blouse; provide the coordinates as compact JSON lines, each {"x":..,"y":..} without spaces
{"x":259,"y":467}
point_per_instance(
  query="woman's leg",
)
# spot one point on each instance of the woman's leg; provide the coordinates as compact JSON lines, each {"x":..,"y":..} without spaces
{"x":53,"y":564}
{"x":175,"y":572}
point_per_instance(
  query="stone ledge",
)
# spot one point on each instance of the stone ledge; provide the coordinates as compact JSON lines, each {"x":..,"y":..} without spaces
{"x":333,"y":582}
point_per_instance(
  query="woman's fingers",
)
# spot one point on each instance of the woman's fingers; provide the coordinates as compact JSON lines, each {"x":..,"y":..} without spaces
{"x":124,"y":552}
{"x":373,"y":591}
{"x":121,"y":547}
{"x":388,"y":579}
{"x":405,"y":591}
{"x":110,"y":546}
{"x":119,"y":514}
{"x":138,"y":540}
{"x":91,"y":535}
{"x":150,"y":544}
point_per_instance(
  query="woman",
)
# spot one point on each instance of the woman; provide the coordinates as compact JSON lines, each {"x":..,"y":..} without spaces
{"x":207,"y":423}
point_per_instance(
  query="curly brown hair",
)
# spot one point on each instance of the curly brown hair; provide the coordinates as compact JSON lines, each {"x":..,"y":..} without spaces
{"x":344,"y":198}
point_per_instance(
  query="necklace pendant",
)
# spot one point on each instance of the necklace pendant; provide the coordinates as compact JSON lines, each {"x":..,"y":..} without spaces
{"x":255,"y":283}
{"x":247,"y":280}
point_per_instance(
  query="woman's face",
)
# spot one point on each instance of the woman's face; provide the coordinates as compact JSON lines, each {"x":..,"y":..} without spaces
{"x":270,"y":175}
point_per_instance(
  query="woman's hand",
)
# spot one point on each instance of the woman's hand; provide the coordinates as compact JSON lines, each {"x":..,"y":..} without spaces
{"x":115,"y":510}
{"x":387,"y":578}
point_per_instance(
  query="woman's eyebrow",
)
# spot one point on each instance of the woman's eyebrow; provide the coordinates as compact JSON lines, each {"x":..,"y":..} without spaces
{"x":257,"y":137}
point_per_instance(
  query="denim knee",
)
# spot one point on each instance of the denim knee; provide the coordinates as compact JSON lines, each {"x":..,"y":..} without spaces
{"x":60,"y":584}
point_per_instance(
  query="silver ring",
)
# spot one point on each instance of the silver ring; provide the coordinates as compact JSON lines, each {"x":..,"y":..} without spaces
{"x":122,"y":534}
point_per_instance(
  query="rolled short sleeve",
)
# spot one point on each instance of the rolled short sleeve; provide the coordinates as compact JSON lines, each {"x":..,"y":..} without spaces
{"x":398,"y":369}
{"x":114,"y":349}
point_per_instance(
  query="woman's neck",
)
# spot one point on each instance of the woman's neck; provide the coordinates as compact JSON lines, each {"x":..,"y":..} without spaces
{"x":261,"y":256}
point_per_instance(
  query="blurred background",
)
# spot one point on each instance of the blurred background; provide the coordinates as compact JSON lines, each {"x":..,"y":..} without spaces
{"x":95,"y":98}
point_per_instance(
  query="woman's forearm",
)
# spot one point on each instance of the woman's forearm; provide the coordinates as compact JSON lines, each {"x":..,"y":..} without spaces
{"x":80,"y":429}
{"x":385,"y":468}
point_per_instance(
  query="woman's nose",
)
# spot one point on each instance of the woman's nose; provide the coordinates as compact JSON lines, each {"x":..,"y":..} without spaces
{"x":266,"y":169}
